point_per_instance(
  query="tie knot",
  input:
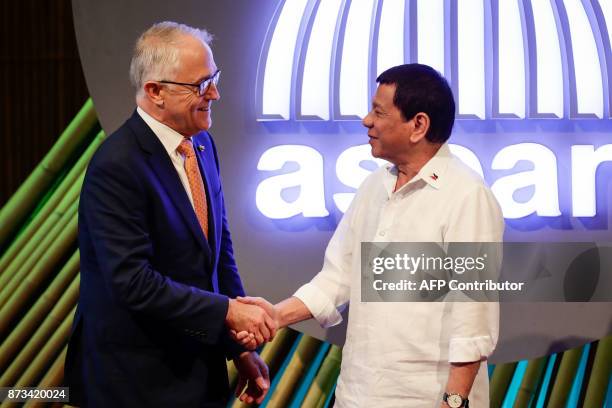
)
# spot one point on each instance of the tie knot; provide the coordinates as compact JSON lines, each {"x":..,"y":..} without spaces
{"x":185,"y":148}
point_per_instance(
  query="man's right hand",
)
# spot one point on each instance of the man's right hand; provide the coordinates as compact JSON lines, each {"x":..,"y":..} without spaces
{"x":289,"y":311}
{"x":252,"y":319}
{"x":247,"y":338}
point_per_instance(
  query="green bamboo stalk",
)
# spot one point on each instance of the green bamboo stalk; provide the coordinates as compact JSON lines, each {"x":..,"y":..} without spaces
{"x":565,"y":377}
{"x":232,"y":374}
{"x":38,"y":248}
{"x":306,"y":350}
{"x":53,"y":378}
{"x":502,"y":375}
{"x":275,"y":352}
{"x":51,"y":205}
{"x":49,"y":325}
{"x":324,"y":380}
{"x":529,"y":384}
{"x":23,"y":201}
{"x":28,"y":324}
{"x":47,"y":353}
{"x":38,"y":244}
{"x":22,"y":248}
{"x":36,"y":276}
{"x":272,"y":354}
{"x":600,"y":374}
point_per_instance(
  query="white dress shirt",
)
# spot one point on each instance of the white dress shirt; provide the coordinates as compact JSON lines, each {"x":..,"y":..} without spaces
{"x":171,"y":139}
{"x":397,"y":354}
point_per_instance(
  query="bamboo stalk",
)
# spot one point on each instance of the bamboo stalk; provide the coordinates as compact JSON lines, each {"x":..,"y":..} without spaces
{"x":22,"y":249}
{"x":20,"y":296}
{"x":325,"y":379}
{"x":37,"y":313}
{"x":502,"y":375}
{"x":530,"y":382}
{"x":22,"y":202}
{"x":232,"y":375}
{"x":49,"y":350}
{"x":600,"y":374}
{"x":29,"y":258}
{"x":34,"y":249}
{"x":565,"y":377}
{"x":36,"y":246}
{"x":309,"y":375}
{"x":51,"y":207}
{"x":53,"y":320}
{"x":305,"y":352}
{"x":53,"y":378}
{"x":275,"y":352}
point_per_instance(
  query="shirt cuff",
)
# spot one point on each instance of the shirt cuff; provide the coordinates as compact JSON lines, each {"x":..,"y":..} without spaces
{"x":322,"y":309}
{"x":468,"y":349}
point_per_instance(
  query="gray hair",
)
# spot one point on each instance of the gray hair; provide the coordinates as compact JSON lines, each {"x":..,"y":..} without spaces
{"x":156,"y":53}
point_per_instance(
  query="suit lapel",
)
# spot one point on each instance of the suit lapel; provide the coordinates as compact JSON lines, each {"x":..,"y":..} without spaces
{"x":164,"y":169}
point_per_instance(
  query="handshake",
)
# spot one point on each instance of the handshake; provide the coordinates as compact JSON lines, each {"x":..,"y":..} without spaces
{"x":252,"y":321}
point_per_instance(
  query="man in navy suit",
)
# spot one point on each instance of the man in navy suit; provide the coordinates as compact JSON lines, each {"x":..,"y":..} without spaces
{"x":158,"y":276}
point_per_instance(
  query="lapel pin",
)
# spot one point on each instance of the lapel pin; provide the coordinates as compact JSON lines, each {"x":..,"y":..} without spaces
{"x":201,"y":148}
{"x":434,"y":176}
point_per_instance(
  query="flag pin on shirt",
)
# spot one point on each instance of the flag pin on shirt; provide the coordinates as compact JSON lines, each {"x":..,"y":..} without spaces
{"x":434,"y":176}
{"x":201,"y":148}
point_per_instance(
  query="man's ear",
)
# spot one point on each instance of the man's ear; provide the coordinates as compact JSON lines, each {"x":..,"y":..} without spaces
{"x":152,"y":91}
{"x":421,"y":124}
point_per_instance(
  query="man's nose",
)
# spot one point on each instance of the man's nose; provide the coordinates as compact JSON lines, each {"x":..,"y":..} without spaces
{"x":212,"y":93}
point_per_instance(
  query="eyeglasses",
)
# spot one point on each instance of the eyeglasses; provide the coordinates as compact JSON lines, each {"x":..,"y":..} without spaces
{"x":203,"y":86}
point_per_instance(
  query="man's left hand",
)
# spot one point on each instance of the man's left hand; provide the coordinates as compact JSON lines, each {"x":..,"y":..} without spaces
{"x":252,"y":373}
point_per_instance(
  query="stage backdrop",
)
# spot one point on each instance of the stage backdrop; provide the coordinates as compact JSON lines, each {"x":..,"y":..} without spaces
{"x":533,"y":102}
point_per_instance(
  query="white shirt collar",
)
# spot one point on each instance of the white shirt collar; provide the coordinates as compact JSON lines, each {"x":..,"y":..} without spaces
{"x":432,"y":172}
{"x":170,"y":138}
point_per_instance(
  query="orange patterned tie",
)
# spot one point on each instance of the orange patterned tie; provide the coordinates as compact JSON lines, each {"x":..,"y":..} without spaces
{"x":198,"y":192}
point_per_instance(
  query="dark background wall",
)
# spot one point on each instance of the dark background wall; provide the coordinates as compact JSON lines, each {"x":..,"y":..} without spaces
{"x":41,"y":84}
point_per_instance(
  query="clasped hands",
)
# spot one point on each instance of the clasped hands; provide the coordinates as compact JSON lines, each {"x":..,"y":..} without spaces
{"x":252,"y":321}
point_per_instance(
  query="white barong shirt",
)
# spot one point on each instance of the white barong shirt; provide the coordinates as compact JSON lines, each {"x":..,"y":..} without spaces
{"x":397,"y":354}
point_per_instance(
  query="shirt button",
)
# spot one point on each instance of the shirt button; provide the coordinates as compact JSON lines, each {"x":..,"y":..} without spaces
{"x":382,"y":233}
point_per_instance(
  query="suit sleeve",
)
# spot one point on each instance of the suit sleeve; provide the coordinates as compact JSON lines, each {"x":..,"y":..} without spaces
{"x":113,"y":212}
{"x":229,"y":280}
{"x":230,"y":283}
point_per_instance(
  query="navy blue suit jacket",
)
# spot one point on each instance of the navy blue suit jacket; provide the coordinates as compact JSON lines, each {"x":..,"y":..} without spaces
{"x":150,"y":324}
